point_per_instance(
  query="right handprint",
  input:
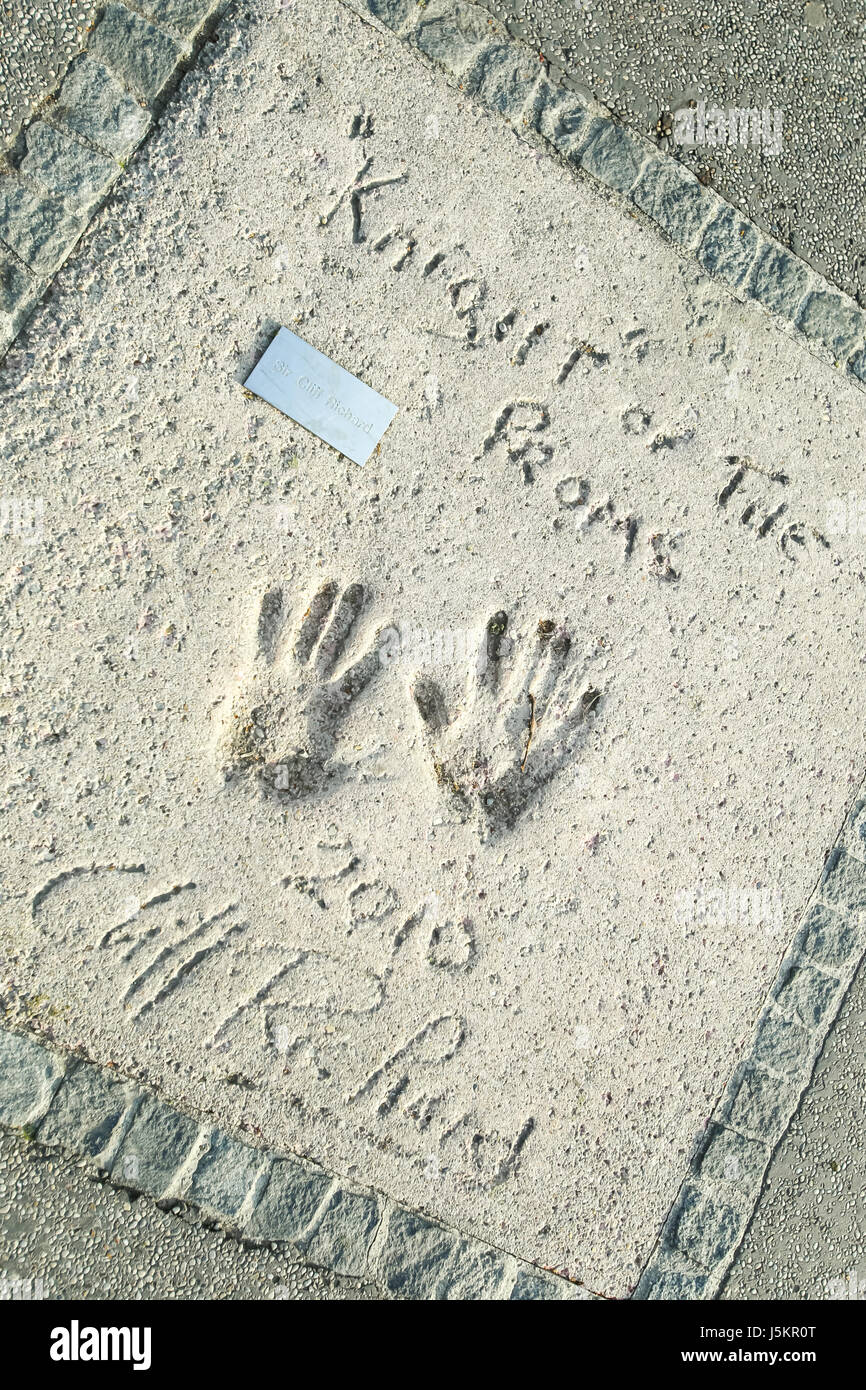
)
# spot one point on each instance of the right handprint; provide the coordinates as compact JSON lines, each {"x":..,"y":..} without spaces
{"x":518,"y":725}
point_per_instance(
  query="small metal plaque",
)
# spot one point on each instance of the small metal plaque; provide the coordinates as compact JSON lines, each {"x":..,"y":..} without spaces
{"x":323,"y":397}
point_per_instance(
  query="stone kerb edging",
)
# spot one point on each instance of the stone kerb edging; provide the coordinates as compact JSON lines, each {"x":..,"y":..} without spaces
{"x":147,"y":1146}
{"x":70,"y":156}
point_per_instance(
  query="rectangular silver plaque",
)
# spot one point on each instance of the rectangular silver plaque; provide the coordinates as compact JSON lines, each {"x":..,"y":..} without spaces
{"x":323,"y":397}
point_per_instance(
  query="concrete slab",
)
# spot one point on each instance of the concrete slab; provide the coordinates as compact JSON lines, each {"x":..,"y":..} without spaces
{"x":443,"y":820}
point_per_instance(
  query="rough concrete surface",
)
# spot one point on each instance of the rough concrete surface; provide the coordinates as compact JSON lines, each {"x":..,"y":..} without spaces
{"x":444,"y":820}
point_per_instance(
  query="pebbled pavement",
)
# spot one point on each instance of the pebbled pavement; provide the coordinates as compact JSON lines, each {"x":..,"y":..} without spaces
{"x":37,"y":40}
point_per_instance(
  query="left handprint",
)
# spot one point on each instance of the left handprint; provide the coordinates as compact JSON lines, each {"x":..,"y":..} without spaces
{"x":281,"y":724}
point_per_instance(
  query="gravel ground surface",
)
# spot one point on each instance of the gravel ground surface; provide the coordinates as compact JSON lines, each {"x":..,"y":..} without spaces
{"x":644,"y":60}
{"x":37,"y":40}
{"x":808,"y":1236}
{"x":85,"y":1239}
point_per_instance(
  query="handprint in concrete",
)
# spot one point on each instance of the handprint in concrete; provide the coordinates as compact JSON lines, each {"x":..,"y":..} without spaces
{"x":519,"y":723}
{"x":282,"y":723}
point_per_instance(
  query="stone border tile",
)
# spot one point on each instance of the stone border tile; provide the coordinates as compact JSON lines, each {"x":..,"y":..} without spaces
{"x":75,"y":151}
{"x":147,"y":1146}
{"x":20,"y":292}
{"x":93,"y":105}
{"x":136,"y":51}
{"x":713,"y":1209}
{"x":66,"y":168}
{"x":30,"y":1076}
{"x":39,"y":228}
{"x":156,"y":1145}
{"x":538,"y":101}
{"x":91,"y":1114}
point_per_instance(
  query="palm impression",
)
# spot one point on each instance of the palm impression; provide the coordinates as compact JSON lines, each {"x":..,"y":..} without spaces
{"x":516,"y":728}
{"x":282,"y":723}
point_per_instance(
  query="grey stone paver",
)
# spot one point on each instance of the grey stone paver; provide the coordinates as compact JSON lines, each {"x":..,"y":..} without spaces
{"x":779,"y":281}
{"x":703,"y":1227}
{"x":343,"y":1232}
{"x":156,"y":1145}
{"x":181,"y":16}
{"x":615,"y":157}
{"x":65,"y":167}
{"x":857,"y":365}
{"x":290,"y":1201}
{"x":829,"y":319}
{"x":87,"y":1112}
{"x":15,"y":283}
{"x":729,"y":247}
{"x":760,"y":1103}
{"x":500,"y":77}
{"x":733,"y":1161}
{"x":808,"y":995}
{"x":676,"y":1285}
{"x":223,"y":1175}
{"x":673,"y":198}
{"x":29,"y":1076}
{"x":420,"y":1259}
{"x":829,"y":937}
{"x":39,"y":228}
{"x":532,"y":1287}
{"x":94,"y":104}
